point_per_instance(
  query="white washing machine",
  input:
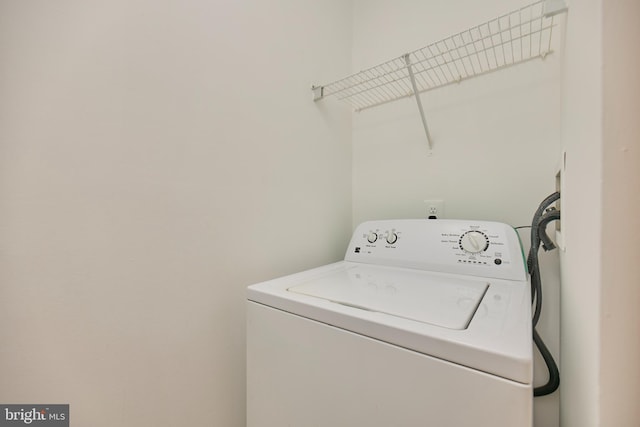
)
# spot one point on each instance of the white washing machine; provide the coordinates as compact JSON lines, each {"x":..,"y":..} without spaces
{"x":424,"y":323}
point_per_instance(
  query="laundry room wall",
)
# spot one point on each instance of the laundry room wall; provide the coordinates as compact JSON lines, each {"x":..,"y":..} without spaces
{"x":155,"y":159}
{"x":601,"y":211}
{"x":582,"y":177}
{"x":496,"y":138}
{"x":620,"y":320}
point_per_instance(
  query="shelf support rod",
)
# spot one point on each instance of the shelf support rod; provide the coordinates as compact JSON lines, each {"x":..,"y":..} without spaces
{"x":407,"y":60}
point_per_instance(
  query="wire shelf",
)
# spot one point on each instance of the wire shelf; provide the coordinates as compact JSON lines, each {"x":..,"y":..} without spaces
{"x":512,"y":38}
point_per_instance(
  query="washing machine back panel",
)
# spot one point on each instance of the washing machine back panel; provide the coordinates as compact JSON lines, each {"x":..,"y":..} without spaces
{"x":467,"y":247}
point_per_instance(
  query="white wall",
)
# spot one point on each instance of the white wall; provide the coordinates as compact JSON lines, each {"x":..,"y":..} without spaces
{"x":485,"y":131}
{"x":582,"y":197}
{"x":601,"y":207}
{"x":620,"y":320}
{"x":496,"y":138}
{"x":156,"y":158}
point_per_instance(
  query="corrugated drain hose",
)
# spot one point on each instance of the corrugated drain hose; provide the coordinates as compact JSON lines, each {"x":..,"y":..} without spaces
{"x":543,"y":216}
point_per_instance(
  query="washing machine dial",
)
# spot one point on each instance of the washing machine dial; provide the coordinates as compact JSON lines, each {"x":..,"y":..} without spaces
{"x":372,"y":237}
{"x":474,"y":242}
{"x":392,"y":237}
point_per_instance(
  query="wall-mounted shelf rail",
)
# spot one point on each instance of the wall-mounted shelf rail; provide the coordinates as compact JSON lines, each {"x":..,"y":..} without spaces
{"x":515,"y":37}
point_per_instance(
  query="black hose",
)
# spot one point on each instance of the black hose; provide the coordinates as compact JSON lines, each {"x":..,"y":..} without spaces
{"x":536,"y":281}
{"x":532,"y":258}
{"x":554,"y":374}
{"x":553,"y":215}
{"x":536,"y":218}
{"x":541,"y":218}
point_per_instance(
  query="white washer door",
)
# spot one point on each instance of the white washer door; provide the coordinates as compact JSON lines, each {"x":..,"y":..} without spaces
{"x":409,"y":294}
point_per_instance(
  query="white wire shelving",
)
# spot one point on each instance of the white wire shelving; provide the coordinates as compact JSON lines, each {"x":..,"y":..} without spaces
{"x":515,"y":37}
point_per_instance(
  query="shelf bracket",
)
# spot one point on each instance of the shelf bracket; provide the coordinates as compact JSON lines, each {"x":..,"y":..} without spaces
{"x":318,"y":92}
{"x":407,"y":61}
{"x":554,"y":7}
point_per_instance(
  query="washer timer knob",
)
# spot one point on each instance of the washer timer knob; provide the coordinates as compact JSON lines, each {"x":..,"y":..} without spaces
{"x":474,"y":242}
{"x":392,"y":237}
{"x":372,"y":237}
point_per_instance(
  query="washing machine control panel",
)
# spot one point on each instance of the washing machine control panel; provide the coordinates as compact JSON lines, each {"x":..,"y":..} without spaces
{"x":478,"y":248}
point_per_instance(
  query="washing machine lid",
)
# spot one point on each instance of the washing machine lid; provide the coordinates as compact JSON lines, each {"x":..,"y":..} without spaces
{"x":440,"y":301}
{"x":497,"y":340}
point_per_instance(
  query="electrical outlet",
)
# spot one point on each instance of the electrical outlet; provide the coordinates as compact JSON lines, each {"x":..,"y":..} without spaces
{"x":435,"y":208}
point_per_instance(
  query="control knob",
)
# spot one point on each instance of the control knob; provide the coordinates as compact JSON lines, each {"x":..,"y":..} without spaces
{"x":474,"y":242}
